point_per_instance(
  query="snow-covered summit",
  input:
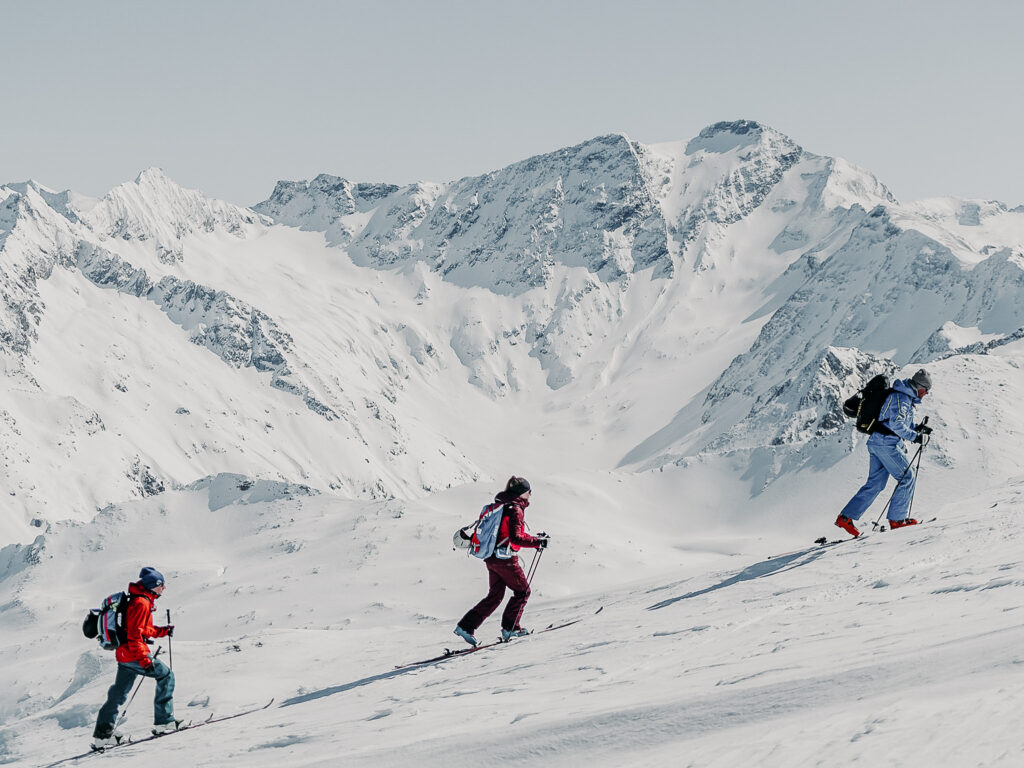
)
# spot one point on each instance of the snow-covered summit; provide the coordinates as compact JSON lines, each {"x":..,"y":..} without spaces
{"x":610,"y":205}
{"x":155,"y":208}
{"x":322,"y":203}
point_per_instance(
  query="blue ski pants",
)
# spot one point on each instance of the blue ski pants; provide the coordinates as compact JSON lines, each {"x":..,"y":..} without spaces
{"x":117,"y":694}
{"x":887,"y":458}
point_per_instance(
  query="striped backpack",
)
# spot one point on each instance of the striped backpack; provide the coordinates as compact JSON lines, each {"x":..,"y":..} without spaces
{"x":107,"y":623}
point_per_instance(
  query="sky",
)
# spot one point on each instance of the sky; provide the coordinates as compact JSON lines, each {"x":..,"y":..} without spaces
{"x":229,"y":97}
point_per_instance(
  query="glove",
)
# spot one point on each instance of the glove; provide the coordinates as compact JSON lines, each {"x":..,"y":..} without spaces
{"x":542,"y":542}
{"x":923,"y":429}
{"x":170,"y":630}
{"x":919,"y":438}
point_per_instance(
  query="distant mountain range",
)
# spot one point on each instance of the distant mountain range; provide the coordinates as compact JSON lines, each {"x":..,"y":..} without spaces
{"x":630,"y":306}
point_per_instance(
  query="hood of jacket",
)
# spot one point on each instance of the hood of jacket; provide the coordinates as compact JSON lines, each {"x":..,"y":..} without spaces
{"x":903,"y":386}
{"x":505,"y":498}
{"x":136,"y":588}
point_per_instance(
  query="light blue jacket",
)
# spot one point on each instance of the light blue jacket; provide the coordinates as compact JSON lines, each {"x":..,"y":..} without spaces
{"x":898,"y":414}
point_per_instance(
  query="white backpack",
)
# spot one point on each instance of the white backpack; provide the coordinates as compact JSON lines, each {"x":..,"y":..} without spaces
{"x":481,"y":538}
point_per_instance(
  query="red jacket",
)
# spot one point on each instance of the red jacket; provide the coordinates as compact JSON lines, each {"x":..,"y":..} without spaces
{"x":138,"y":620}
{"x":512,"y":523}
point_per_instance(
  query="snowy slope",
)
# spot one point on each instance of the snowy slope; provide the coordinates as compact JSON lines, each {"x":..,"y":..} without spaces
{"x":903,"y":648}
{"x":289,"y":410}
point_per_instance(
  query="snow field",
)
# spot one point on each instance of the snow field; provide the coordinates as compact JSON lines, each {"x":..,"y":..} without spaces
{"x":900,"y":649}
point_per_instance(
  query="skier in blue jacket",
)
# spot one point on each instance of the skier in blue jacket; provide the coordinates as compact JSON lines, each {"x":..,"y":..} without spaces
{"x":889,"y":456}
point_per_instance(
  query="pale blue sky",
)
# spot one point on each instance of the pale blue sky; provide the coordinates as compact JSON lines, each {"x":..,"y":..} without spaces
{"x":229,"y":97}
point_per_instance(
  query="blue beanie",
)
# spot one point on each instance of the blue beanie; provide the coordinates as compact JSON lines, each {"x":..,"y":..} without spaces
{"x":151,"y":578}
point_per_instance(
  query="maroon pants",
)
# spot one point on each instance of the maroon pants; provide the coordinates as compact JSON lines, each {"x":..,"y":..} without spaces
{"x":502,"y":573}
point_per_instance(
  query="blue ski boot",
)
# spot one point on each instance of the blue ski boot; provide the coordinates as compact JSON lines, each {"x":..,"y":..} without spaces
{"x":467,"y":636}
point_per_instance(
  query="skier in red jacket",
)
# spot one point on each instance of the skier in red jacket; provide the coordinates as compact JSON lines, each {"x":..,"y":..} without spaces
{"x":503,"y":567}
{"x":133,"y":659}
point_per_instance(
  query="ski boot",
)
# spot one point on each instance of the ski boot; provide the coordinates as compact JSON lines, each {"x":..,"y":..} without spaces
{"x":847,"y":525}
{"x":508,"y":634}
{"x":98,"y":744}
{"x":159,"y":729}
{"x":894,"y":524}
{"x":467,"y":636}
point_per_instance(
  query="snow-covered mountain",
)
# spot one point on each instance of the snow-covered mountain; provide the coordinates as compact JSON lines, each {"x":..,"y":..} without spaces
{"x":289,"y":408}
{"x":666,"y":297}
{"x":666,"y":294}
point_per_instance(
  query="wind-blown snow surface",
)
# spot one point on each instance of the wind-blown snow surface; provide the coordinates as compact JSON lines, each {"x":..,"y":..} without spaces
{"x":290,"y":411}
{"x":901,"y":649}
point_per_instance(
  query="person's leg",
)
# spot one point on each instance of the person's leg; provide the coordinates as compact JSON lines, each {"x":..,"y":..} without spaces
{"x":515,"y":579}
{"x":117,"y":694}
{"x":898,"y":465}
{"x":476,"y":615}
{"x":877,"y":478}
{"x":163,"y":701}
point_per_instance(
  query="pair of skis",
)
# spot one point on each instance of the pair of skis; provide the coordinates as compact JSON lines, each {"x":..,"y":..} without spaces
{"x":181,"y":729}
{"x":450,"y":654}
{"x":824,"y":541}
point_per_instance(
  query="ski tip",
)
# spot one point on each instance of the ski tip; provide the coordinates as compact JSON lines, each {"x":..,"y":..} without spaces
{"x":599,"y":610}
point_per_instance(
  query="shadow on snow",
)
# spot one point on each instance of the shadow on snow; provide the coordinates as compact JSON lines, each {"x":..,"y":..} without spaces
{"x":756,"y":571}
{"x":345,"y":686}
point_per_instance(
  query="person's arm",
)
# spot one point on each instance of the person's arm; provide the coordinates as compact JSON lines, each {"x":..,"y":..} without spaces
{"x":516,"y":532}
{"x":898,"y":415}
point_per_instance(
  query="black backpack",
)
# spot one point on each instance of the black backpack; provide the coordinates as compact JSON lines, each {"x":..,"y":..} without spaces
{"x":865,"y":406}
{"x":107,"y":623}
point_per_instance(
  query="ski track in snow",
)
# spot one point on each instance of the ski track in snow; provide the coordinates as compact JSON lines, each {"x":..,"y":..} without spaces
{"x":902,"y":649}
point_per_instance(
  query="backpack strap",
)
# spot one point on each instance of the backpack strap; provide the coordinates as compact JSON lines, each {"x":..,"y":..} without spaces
{"x":122,"y":616}
{"x":877,"y":427}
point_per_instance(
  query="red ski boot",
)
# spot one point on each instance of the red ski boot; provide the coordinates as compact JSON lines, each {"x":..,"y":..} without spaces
{"x":902,"y":523}
{"x":847,"y":525}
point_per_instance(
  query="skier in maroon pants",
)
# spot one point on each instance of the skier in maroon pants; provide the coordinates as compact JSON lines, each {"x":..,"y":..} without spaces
{"x":503,"y":567}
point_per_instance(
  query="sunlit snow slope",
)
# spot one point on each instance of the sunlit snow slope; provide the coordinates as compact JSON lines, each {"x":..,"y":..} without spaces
{"x":289,"y":410}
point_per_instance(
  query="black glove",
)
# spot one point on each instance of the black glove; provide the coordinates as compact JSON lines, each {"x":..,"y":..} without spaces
{"x":923,"y":429}
{"x":919,"y":438}
{"x":170,"y":630}
{"x":542,"y":542}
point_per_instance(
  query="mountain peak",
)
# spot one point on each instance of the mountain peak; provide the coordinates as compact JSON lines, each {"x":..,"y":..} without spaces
{"x":153,"y":176}
{"x":154,"y":207}
{"x":723,"y":137}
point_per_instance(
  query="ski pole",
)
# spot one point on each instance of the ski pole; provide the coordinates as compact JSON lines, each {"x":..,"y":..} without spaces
{"x":170,"y":652}
{"x":917,"y":473}
{"x":124,"y":712}
{"x":915,"y":457}
{"x":533,"y":566}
